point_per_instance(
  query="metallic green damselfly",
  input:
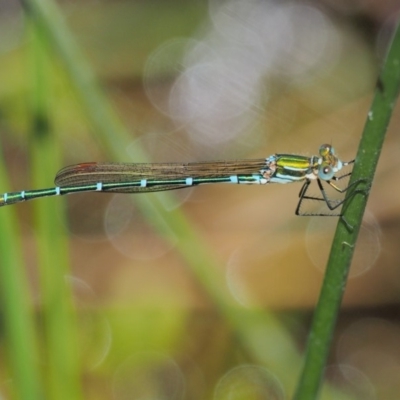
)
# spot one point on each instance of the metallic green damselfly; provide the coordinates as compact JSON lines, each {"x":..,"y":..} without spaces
{"x":141,"y":178}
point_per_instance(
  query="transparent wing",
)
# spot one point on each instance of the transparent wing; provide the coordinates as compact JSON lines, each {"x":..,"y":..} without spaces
{"x":168,"y":176}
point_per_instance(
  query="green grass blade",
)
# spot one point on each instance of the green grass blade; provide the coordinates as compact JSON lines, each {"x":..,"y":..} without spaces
{"x":20,"y":340}
{"x":62,"y":373}
{"x":344,"y":242}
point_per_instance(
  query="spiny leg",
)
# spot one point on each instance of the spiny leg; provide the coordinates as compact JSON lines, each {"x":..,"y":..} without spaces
{"x":304,"y":188}
{"x":303,"y":196}
{"x":332,"y":204}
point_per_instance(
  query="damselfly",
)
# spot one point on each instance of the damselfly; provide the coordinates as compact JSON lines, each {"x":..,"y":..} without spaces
{"x":141,"y":178}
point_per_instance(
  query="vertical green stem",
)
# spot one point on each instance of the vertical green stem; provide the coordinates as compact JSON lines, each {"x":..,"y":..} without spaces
{"x":344,"y":242}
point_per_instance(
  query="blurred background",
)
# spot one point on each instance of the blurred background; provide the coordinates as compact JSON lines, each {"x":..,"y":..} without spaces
{"x":205,"y":293}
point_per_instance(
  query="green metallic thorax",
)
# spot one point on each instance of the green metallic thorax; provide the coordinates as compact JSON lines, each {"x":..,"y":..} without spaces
{"x":291,"y":167}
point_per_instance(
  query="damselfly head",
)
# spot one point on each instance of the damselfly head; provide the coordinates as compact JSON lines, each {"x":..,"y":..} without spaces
{"x":328,"y":158}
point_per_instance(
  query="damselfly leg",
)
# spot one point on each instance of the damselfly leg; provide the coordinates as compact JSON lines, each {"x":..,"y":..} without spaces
{"x":332,"y":204}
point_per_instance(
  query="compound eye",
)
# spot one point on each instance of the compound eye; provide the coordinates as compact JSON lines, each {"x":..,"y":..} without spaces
{"x":326,"y":150}
{"x":325,"y":172}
